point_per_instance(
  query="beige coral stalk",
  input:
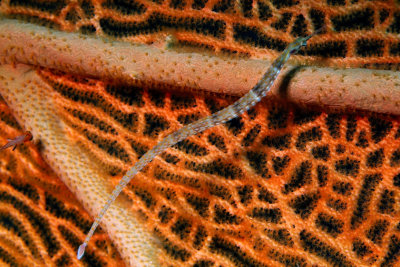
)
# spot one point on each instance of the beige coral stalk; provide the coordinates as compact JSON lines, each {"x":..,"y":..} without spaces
{"x":374,"y":90}
{"x":24,"y":90}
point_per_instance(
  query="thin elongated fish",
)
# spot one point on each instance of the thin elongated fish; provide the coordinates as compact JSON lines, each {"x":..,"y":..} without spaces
{"x":228,"y":113}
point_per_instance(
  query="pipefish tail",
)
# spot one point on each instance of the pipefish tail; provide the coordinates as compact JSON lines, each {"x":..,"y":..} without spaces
{"x":236,"y":109}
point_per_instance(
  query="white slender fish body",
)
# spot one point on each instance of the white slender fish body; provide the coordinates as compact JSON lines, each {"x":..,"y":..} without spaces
{"x":236,"y":109}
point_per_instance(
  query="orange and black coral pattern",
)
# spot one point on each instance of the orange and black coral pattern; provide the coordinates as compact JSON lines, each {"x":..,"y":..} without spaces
{"x":281,"y":185}
{"x":357,"y":33}
{"x":39,"y":216}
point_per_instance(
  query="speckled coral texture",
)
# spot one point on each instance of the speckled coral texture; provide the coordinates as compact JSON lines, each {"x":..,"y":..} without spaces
{"x":310,"y":176}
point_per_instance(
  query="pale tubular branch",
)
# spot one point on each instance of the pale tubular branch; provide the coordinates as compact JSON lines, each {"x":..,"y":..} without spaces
{"x":373,"y":90}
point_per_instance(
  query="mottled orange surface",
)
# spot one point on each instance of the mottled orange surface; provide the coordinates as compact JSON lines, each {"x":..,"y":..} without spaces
{"x":280,"y":186}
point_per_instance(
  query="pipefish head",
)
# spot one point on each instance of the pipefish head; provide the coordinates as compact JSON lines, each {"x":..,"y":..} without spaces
{"x":294,"y":47}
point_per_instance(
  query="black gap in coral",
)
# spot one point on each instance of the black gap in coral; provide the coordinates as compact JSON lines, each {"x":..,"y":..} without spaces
{"x":264,"y":11}
{"x":300,"y":177}
{"x":158,"y":22}
{"x":336,"y":204}
{"x":314,"y":134}
{"x":58,"y":209}
{"x":383,"y":14}
{"x":343,"y":188}
{"x":280,"y":163}
{"x":126,"y":7}
{"x":317,"y":18}
{"x":283,"y":22}
{"x":39,"y":223}
{"x":145,"y":197}
{"x":181,"y":227}
{"x":247,"y":6}
{"x":25,"y":188}
{"x":258,"y":161}
{"x":361,"y":210}
{"x":217,"y":141}
{"x":303,"y":205}
{"x":16,"y":227}
{"x":235,"y":125}
{"x":131,"y":95}
{"x":111,"y":147}
{"x":177,"y":4}
{"x":329,"y":224}
{"x":224,"y":6}
{"x":321,"y":152}
{"x":379,"y":128}
{"x":281,"y":236}
{"x":233,"y":252}
{"x":369,"y":47}
{"x":87,"y":8}
{"x":87,"y":29}
{"x":90,"y":258}
{"x":362,"y":139}
{"x":333,"y":123}
{"x":253,"y":133}
{"x":348,"y":166}
{"x":336,"y":2}
{"x":351,"y":127}
{"x":375,"y":158}
{"x":255,"y":37}
{"x":395,"y":158}
{"x":322,"y":175}
{"x":191,"y":148}
{"x":203,"y":263}
{"x":223,"y":216}
{"x":393,"y":252}
{"x":287,"y":259}
{"x":50,"y":6}
{"x":326,"y":49}
{"x":278,"y":117}
{"x":266,"y":196}
{"x":176,"y":252}
{"x":354,"y":20}
{"x":303,"y":116}
{"x":284,"y":3}
{"x":245,"y":194}
{"x":187,"y":119}
{"x":361,"y":248}
{"x":154,"y":125}
{"x":165,"y":214}
{"x":377,"y":231}
{"x":317,"y":247}
{"x":72,"y":16}
{"x":199,"y":237}
{"x":395,"y":26}
{"x":273,"y":215}
{"x":199,"y":4}
{"x":299,"y":27}
{"x":199,"y":204}
{"x":182,"y":102}
{"x":217,"y":167}
{"x":387,"y":202}
{"x":279,"y":142}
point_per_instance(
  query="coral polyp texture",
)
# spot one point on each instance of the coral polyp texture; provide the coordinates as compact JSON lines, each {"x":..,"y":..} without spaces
{"x":288,"y":183}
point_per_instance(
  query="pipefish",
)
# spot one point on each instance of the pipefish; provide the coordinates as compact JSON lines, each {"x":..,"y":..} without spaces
{"x":236,"y":109}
